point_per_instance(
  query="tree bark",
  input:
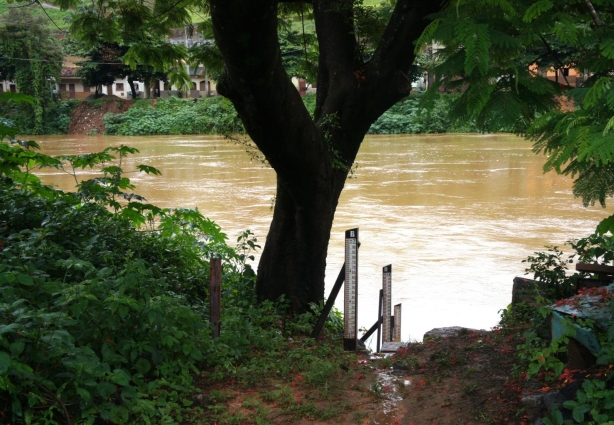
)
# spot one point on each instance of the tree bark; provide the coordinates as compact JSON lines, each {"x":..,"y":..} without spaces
{"x":312,"y":157}
{"x":132,"y":88}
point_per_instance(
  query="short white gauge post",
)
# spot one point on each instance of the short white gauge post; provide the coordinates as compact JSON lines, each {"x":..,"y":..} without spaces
{"x":397,"y":323}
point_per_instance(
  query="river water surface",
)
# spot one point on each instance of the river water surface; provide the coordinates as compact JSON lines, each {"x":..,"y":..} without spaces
{"x":454,"y":214}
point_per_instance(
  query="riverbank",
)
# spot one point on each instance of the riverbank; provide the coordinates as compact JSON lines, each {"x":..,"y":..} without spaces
{"x":107,"y":320}
{"x":467,"y":378}
{"x":113,"y":116}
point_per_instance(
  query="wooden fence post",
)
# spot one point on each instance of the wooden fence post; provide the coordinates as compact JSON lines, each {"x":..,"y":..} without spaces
{"x":215,"y":294}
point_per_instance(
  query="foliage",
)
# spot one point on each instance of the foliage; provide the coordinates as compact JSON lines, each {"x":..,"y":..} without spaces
{"x":93,"y":312}
{"x":31,"y":57}
{"x":103,"y":320}
{"x":213,"y":115}
{"x":60,"y":19}
{"x":411,"y":116}
{"x":117,"y":46}
{"x":497,"y":51}
{"x":299,"y":51}
{"x":550,"y":268}
{"x":594,"y":400}
{"x":594,"y":403}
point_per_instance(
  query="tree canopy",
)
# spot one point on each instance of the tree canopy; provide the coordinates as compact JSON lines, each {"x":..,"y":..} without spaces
{"x":495,"y":50}
{"x":30,"y":56}
{"x":362,"y":70}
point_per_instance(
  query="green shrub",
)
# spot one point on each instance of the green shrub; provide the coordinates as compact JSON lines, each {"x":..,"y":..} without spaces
{"x":410,"y":117}
{"x":104,"y":318}
{"x":214,"y":115}
{"x":56,"y":116}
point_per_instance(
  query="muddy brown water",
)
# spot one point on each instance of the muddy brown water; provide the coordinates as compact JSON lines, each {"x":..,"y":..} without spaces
{"x":454,"y":214}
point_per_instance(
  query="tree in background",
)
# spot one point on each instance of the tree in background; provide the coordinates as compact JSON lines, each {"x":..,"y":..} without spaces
{"x":104,"y":65}
{"x":32,"y":57}
{"x":108,"y":33}
{"x":495,"y":50}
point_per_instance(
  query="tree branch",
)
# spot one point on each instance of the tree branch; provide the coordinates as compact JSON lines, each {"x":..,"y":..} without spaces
{"x":66,"y":414}
{"x":338,"y":52}
{"x":553,"y":55}
{"x":593,"y":12}
{"x":408,"y":21}
{"x":255,"y":81}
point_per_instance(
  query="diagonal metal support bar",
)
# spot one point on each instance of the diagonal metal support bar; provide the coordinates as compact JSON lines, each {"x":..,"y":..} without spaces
{"x":317,"y":329}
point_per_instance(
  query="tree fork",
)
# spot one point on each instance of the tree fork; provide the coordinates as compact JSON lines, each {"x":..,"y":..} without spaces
{"x":311,"y":159}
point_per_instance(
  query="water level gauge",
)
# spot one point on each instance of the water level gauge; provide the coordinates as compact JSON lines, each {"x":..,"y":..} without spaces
{"x":350,"y":312}
{"x":387,"y":308}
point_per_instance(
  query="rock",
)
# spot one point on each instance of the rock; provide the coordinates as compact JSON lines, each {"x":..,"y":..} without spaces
{"x":447,"y":332}
{"x":525,"y":290}
{"x":538,"y":403}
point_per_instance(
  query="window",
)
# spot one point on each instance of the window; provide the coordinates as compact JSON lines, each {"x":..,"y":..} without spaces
{"x":86,"y":89}
{"x":62,"y":87}
{"x":165,"y":85}
{"x":119,"y":86}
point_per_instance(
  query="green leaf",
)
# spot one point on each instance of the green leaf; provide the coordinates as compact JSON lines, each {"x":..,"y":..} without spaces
{"x":148,"y":169}
{"x":9,"y":328}
{"x":607,"y":48}
{"x":16,"y":406}
{"x":536,"y":9}
{"x":5,"y":362}
{"x":85,"y":397}
{"x":120,"y":377}
{"x":129,"y":392}
{"x":578,"y":413}
{"x":105,"y":389}
{"x":606,"y":225}
{"x":123,"y":311}
{"x":595,"y":93}
{"x":119,"y":415}
{"x":25,"y":280}
{"x":7,"y":277}
{"x":143,"y":366}
{"x":17,"y":348}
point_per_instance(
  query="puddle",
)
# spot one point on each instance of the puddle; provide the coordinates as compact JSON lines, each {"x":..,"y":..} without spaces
{"x":387,"y":389}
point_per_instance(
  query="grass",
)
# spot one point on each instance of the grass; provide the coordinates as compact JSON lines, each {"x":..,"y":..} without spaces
{"x":57,"y":18}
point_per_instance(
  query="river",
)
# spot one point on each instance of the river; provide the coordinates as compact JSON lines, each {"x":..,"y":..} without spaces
{"x":454,"y":214}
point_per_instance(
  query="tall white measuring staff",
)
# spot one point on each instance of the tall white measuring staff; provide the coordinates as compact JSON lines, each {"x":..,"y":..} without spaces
{"x":350,"y":311}
{"x":387,"y":301}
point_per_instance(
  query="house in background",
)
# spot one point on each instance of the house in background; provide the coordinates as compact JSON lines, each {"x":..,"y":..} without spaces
{"x":70,"y":86}
{"x":7,"y":86}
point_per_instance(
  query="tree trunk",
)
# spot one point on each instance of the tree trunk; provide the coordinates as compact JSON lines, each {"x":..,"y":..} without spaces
{"x":311,"y":157}
{"x":132,"y":88}
{"x":294,"y":257}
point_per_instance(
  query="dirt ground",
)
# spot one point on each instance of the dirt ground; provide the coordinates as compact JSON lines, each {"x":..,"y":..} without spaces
{"x":87,"y":116}
{"x":461,"y":380}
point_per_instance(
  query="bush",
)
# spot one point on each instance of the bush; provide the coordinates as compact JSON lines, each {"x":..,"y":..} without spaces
{"x":56,"y":116}
{"x":214,"y":115}
{"x":410,"y":117}
{"x":104,"y":319}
